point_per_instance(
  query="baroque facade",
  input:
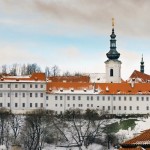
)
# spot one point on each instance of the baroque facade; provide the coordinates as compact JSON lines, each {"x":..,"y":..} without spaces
{"x":106,"y":92}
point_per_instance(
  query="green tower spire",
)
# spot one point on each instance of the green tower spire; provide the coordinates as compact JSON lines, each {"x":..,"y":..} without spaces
{"x":142,"y":65}
{"x":113,"y":54}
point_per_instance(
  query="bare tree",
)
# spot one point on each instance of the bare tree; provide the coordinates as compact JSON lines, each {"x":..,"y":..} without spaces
{"x":4,"y":126}
{"x":67,"y":73}
{"x":13,"y":70}
{"x":4,"y":69}
{"x":80,"y":129}
{"x":55,"y":70}
{"x":47,"y":71}
{"x":23,"y":69}
{"x":35,"y":130}
{"x":15,"y":124}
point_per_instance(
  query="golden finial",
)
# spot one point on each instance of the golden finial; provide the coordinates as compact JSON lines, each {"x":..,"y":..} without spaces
{"x":113,"y":22}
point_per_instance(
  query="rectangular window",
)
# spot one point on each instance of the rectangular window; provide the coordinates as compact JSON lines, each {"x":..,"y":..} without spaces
{"x":30,"y":94}
{"x":46,"y":97}
{"x":108,"y":98}
{"x":119,"y":98}
{"x":87,"y":97}
{"x":125,"y":98}
{"x":1,"y":105}
{"x":30,"y":85}
{"x":74,"y":98}
{"x":108,"y":107}
{"x":36,"y":94}
{"x":16,"y":85}
{"x":41,"y":85}
{"x":73,"y":105}
{"x":125,"y":107}
{"x":68,"y":97}
{"x":98,"y":98}
{"x":8,"y":94}
{"x":30,"y":104}
{"x":103,"y":107}
{"x":114,"y":98}
{"x":16,"y":104}
{"x":87,"y":105}
{"x":8,"y":85}
{"x":16,"y":94}
{"x":61,"y":97}
{"x":41,"y":94}
{"x":8,"y":104}
{"x":79,"y":97}
{"x":119,"y":107}
{"x":56,"y":98}
{"x":1,"y":94}
{"x":91,"y":105}
{"x":91,"y":98}
{"x":130,"y":98}
{"x":147,"y":107}
{"x":23,"y":94}
{"x":137,"y":98}
{"x":36,"y":86}
{"x":68,"y":105}
{"x":55,"y":105}
{"x":137,"y":108}
{"x":41,"y":104}
{"x":147,"y":98}
{"x":103,"y":98}
{"x":46,"y":105}
{"x":1,"y":85}
{"x":60,"y":105}
{"x":23,"y":104}
{"x":130,"y":107}
{"x":36,"y":105}
{"x":23,"y":86}
{"x":142,"y":98}
{"x":114,"y":107}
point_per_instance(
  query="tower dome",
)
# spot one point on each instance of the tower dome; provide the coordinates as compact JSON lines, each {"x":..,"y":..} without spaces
{"x":113,"y":54}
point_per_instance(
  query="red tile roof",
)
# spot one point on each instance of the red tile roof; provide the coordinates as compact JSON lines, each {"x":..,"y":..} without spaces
{"x":137,"y":74}
{"x":142,"y":139}
{"x":69,"y":79}
{"x":136,"y":148}
{"x":33,"y":77}
{"x":105,"y":88}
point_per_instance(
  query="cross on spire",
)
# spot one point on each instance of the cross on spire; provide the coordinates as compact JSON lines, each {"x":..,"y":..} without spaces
{"x":113,"y":22}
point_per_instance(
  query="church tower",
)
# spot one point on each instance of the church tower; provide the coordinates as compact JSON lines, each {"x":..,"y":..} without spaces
{"x":113,"y":65}
{"x":142,"y":65}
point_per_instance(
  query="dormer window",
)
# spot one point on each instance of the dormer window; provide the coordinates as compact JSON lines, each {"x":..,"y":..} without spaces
{"x":61,"y":90}
{"x":72,"y":90}
{"x":96,"y":90}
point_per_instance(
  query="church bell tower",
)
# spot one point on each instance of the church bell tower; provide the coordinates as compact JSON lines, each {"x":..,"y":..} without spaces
{"x":113,"y":65}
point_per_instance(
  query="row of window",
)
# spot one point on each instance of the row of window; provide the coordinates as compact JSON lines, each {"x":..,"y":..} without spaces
{"x":23,"y":105}
{"x":24,"y":85}
{"x":23,"y":94}
{"x":123,"y":108}
{"x":104,"y":107}
{"x":103,"y":98}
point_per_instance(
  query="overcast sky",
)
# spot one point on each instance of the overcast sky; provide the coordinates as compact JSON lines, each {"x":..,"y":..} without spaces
{"x":74,"y":34}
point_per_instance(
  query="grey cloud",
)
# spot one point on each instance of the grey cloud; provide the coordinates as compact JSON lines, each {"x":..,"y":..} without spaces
{"x":132,"y":16}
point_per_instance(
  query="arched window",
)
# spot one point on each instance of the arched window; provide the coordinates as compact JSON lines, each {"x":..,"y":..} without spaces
{"x":111,"y":72}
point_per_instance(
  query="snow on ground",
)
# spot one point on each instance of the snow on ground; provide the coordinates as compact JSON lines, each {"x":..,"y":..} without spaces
{"x":91,"y":147}
{"x":142,"y":124}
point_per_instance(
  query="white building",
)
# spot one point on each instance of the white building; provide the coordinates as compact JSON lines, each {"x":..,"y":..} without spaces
{"x":93,"y":91}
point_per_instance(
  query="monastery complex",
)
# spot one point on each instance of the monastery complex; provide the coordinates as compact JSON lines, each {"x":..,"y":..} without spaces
{"x":108,"y":92}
